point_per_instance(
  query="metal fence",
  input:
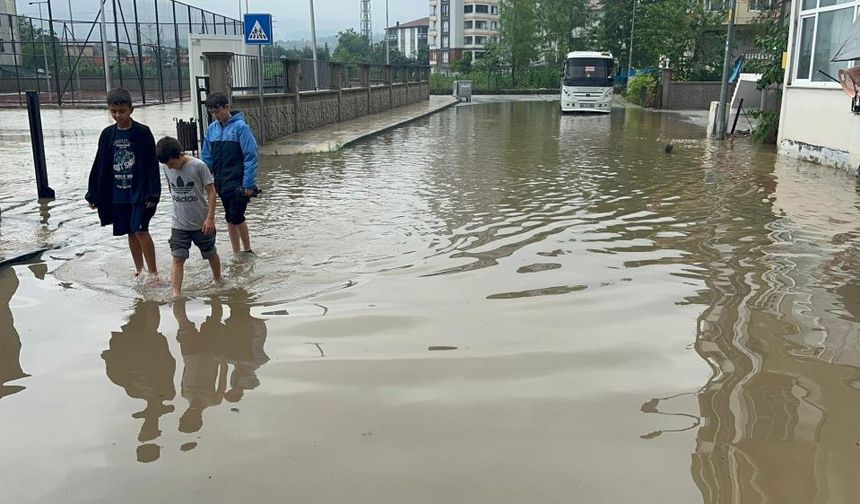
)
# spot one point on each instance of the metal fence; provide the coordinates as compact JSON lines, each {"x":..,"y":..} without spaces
{"x":71,"y":52}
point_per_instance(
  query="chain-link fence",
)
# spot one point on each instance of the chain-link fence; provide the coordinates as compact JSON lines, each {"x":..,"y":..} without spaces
{"x":71,"y":52}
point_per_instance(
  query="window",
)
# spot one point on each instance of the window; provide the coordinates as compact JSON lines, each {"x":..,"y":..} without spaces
{"x":480,"y":25}
{"x":715,"y":5}
{"x":445,"y":27}
{"x":482,"y":9}
{"x":445,"y":10}
{"x":467,"y":9}
{"x":2,"y":46}
{"x":480,"y":40}
{"x":823,"y":28}
{"x":445,"y":57}
{"x":494,"y":10}
{"x":432,"y":10}
{"x":494,"y":25}
{"x":467,"y":40}
{"x":759,"y":5}
{"x":445,"y":41}
{"x":478,"y":54}
{"x":468,"y":25}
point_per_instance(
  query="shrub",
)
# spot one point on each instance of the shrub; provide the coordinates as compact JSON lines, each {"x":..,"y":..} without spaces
{"x":642,"y":89}
{"x":767,"y":126}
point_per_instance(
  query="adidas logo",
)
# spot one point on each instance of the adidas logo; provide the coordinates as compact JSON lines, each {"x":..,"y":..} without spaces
{"x":181,"y":187}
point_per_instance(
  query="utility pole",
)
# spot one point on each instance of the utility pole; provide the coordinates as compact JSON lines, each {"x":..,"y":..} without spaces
{"x":387,"y":62}
{"x":630,"y":55}
{"x":724,"y":85}
{"x":105,"y":48}
{"x":314,"y":46}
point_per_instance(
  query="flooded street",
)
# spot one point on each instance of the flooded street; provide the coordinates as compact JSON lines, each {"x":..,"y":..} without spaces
{"x":492,"y":304}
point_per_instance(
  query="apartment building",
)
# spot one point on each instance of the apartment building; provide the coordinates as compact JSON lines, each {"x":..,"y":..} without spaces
{"x":460,"y":29}
{"x":409,"y":37}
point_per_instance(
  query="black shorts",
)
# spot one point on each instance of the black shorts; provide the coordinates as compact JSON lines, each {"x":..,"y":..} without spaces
{"x":131,"y":218}
{"x":234,"y":207}
{"x":180,"y":243}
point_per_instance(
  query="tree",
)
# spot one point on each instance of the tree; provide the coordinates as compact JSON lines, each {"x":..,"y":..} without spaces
{"x":518,"y":34}
{"x":462,"y":65}
{"x":562,"y":21}
{"x":771,"y":38}
{"x":352,"y":47}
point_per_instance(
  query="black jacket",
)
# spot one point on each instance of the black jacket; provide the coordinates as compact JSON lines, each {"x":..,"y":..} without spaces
{"x":146,"y":178}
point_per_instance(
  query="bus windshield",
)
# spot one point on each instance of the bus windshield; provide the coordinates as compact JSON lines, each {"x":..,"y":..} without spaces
{"x":588,"y":72}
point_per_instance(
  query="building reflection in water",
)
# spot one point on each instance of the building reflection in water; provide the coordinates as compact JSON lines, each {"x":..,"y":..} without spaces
{"x":778,"y":416}
{"x":139,"y":360}
{"x":10,"y":341}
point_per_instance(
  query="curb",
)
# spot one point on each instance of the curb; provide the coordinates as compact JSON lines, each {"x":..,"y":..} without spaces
{"x":395,"y":125}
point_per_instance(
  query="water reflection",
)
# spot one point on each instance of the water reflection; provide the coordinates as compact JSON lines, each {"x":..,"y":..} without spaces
{"x":10,"y":341}
{"x":139,"y":360}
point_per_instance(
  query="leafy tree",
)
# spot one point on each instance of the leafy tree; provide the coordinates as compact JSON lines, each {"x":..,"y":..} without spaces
{"x":462,"y":65}
{"x":611,"y":32}
{"x":562,"y":22}
{"x":771,"y":38}
{"x":518,"y":34}
{"x":352,"y":47}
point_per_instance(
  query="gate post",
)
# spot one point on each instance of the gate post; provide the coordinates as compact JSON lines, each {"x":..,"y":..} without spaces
{"x":37,"y":140}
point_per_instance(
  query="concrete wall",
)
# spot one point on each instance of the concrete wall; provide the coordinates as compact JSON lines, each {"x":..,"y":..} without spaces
{"x":288,"y":113}
{"x":817,"y":125}
{"x":692,"y":95}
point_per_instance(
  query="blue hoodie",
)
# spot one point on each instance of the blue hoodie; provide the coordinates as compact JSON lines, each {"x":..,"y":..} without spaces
{"x":230,"y":152}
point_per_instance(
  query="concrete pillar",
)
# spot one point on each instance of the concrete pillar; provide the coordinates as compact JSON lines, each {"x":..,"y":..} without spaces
{"x":667,"y":84}
{"x":389,"y":81}
{"x":294,"y":76}
{"x":337,"y":85}
{"x":220,"y":72}
{"x":365,"y":81}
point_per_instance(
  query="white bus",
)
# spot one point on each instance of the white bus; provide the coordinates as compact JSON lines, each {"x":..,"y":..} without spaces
{"x":587,"y":82}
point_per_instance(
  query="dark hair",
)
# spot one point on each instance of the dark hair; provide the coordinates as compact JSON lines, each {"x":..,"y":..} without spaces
{"x":168,"y":148}
{"x":217,"y":100}
{"x":119,"y":97}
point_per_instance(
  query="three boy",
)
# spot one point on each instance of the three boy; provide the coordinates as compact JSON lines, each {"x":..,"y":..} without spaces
{"x":124,"y":184}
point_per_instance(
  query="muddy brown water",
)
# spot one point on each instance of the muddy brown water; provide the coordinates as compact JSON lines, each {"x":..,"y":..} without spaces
{"x":493,"y":304}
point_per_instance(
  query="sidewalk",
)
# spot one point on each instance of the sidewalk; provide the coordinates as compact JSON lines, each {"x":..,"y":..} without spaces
{"x":338,"y":135}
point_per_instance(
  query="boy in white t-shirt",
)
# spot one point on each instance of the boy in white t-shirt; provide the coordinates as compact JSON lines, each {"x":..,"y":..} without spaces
{"x":193,"y":192}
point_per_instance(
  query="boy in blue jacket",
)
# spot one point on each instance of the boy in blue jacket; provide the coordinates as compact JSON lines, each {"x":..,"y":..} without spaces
{"x":124,"y":183}
{"x":230,"y":151}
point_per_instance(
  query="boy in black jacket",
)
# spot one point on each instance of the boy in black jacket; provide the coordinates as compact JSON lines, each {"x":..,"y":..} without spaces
{"x":124,"y":182}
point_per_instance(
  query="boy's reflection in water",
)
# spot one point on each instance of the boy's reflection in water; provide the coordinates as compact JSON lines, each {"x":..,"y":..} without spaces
{"x":10,"y":342}
{"x":243,"y":348}
{"x":204,"y":379}
{"x":209,"y":352}
{"x":140,"y":362}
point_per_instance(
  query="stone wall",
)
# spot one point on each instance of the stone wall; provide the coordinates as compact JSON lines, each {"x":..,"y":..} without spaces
{"x":294,"y":111}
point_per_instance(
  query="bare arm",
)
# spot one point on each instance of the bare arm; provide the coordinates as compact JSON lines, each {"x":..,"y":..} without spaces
{"x":209,"y":223}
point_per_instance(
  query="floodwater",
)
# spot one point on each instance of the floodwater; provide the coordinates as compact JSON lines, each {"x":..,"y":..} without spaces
{"x":492,"y":304}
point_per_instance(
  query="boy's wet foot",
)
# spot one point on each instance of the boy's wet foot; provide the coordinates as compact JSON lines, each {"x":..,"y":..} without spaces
{"x":153,"y":280}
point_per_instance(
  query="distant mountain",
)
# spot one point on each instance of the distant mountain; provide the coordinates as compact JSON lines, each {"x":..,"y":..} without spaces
{"x":302,"y":43}
{"x":331,"y":40}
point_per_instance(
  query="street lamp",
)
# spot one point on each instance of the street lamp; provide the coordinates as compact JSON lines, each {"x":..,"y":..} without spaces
{"x":44,"y":50}
{"x":630,"y":55}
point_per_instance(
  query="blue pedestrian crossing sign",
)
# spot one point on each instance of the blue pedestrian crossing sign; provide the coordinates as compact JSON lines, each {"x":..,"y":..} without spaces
{"x":258,"y":29}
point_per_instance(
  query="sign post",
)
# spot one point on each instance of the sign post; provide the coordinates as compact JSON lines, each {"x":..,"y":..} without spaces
{"x":258,"y":32}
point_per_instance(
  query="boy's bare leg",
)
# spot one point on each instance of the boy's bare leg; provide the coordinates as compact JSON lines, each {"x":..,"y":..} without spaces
{"x":177,"y":272}
{"x":215,"y":264}
{"x":136,"y":253}
{"x":148,"y":248}
{"x":233,"y":232}
{"x":239,"y":233}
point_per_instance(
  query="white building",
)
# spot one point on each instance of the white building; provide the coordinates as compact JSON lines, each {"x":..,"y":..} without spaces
{"x":816,"y":121}
{"x":8,"y":33}
{"x":409,"y":37}
{"x":460,"y":29}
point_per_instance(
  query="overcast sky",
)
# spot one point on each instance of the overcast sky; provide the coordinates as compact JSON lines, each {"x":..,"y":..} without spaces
{"x":291,"y":18}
